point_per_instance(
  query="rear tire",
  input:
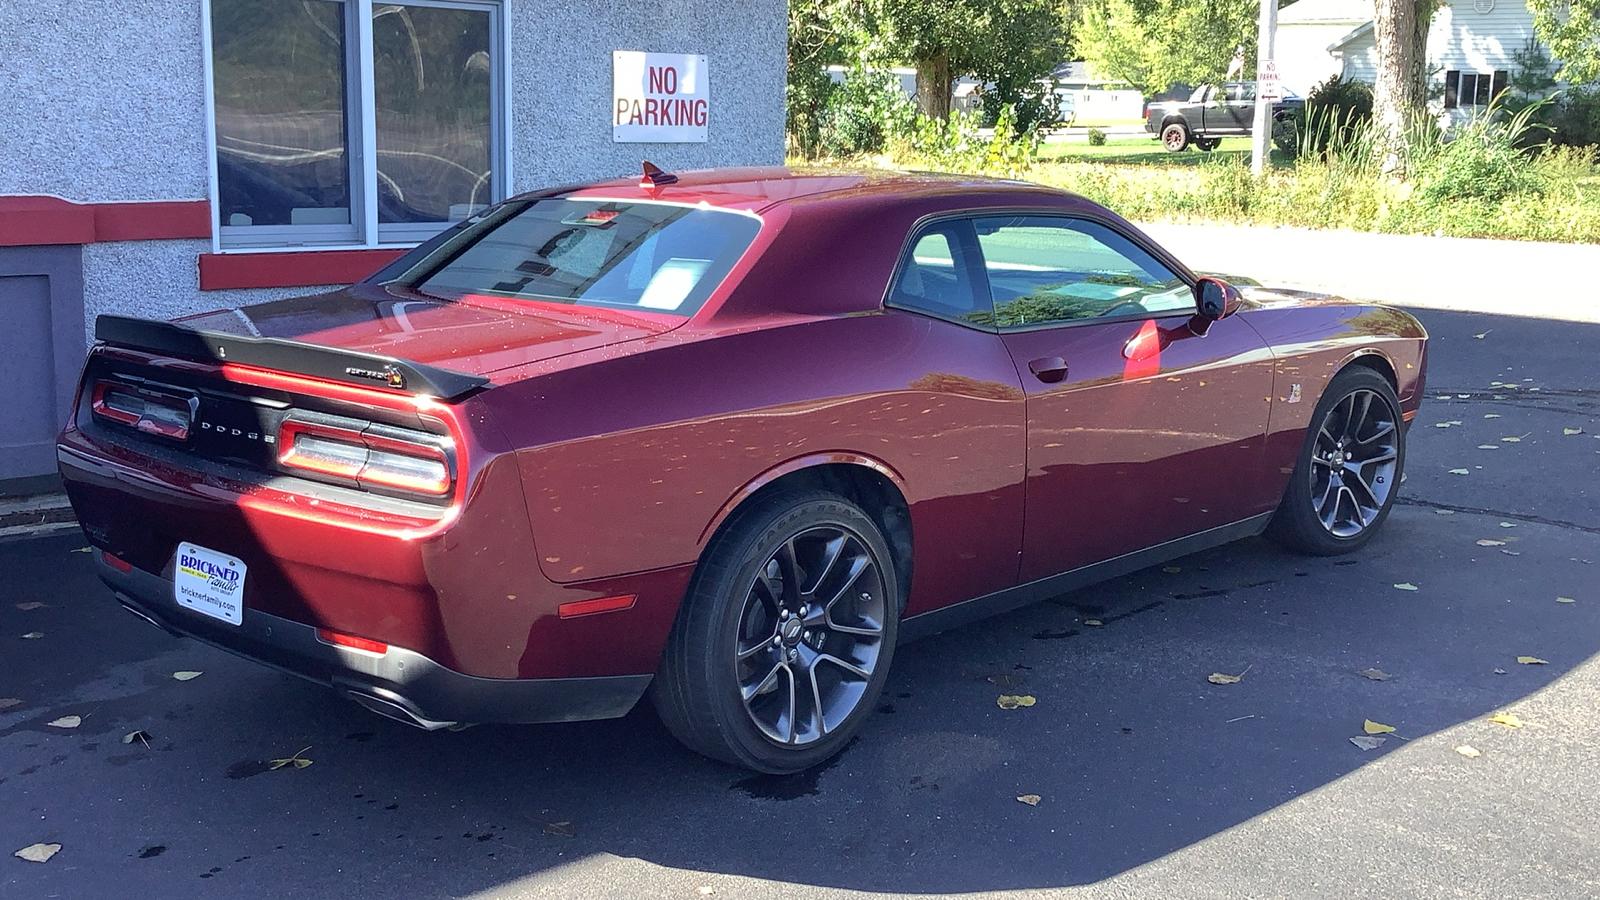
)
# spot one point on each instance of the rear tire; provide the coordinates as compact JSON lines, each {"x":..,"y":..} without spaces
{"x":1175,"y":137}
{"x":785,"y":636}
{"x":1207,"y":145}
{"x":1348,"y":473}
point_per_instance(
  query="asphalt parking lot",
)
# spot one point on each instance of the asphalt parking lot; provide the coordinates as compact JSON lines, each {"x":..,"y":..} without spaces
{"x":1151,"y":781}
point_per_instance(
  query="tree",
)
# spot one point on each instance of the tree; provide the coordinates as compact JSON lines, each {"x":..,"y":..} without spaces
{"x":1008,"y":43}
{"x":1400,"y":90}
{"x":1571,"y":28}
{"x":1155,"y":44}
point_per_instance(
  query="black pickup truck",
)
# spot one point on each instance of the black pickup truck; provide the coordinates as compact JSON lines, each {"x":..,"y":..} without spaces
{"x":1213,"y":112}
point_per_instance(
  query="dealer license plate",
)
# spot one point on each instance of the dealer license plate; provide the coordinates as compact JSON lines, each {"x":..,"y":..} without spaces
{"x":209,"y":582}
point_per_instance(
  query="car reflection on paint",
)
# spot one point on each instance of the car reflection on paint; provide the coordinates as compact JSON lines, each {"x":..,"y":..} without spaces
{"x":722,"y":438}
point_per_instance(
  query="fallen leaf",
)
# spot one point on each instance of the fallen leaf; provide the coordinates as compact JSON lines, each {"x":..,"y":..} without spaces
{"x":1484,"y":542}
{"x":1468,"y":752}
{"x":1093,"y":622}
{"x":185,"y":676}
{"x":1441,"y":424}
{"x":1443,"y":397}
{"x":1512,"y":552}
{"x":33,"y":635}
{"x":1444,"y":512}
{"x":1511,"y":440}
{"x":1368,"y":743}
{"x":66,"y":722}
{"x":8,"y":702}
{"x":1030,"y":799}
{"x":1499,"y":671}
{"x":38,"y":852}
{"x":142,"y":737}
{"x":1374,"y":674}
{"x":296,"y":760}
{"x":1491,"y":415}
{"x":1171,"y":570}
{"x":1371,"y":727}
{"x":1509,"y":720}
{"x":84,"y":550}
{"x":1558,"y":600}
{"x":1532,"y":661}
{"x":1219,"y":678}
{"x":1572,"y":431}
{"x":30,"y":605}
{"x":1488,"y":446}
{"x":1406,"y":586}
{"x":707,"y":890}
{"x":1508,"y":524}
{"x":1012,"y":701}
{"x":1460,"y":472}
{"x":561,"y":829}
{"x":1482,"y":336}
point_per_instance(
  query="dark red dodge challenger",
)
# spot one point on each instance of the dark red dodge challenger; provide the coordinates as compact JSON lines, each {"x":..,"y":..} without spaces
{"x":725,"y":438}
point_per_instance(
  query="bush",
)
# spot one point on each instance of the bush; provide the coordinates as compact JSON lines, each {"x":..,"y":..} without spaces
{"x":1335,"y":115}
{"x":1485,"y":161}
{"x":864,"y":113}
{"x":1097,"y":138}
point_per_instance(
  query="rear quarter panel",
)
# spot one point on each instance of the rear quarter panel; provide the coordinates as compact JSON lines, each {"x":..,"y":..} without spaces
{"x":627,"y":461}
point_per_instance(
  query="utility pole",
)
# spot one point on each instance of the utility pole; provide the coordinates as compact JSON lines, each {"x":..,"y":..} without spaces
{"x":1266,"y":84}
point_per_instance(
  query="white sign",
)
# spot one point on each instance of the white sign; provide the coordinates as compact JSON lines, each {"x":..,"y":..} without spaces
{"x":659,"y":98}
{"x":209,"y":582}
{"x":1267,"y":85}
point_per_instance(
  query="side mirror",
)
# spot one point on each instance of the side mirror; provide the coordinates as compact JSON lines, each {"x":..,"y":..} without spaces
{"x":1213,"y":299}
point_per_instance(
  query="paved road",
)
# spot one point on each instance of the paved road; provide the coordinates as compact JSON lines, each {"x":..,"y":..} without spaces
{"x":1154,"y":783}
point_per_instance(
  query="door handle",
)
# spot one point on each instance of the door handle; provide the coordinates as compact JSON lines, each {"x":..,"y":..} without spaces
{"x":1049,"y":369}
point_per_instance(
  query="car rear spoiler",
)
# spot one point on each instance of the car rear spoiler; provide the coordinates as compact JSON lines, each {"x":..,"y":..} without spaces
{"x":328,"y":363}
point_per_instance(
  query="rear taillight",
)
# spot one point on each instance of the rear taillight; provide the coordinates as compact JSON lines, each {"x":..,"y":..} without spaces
{"x":150,"y":411}
{"x":373,"y":456}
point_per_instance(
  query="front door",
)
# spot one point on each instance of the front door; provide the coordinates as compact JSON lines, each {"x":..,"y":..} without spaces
{"x":1139,"y":431}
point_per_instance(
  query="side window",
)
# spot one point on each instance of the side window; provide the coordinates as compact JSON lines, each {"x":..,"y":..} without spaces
{"x":1043,"y":269}
{"x":934,"y":279}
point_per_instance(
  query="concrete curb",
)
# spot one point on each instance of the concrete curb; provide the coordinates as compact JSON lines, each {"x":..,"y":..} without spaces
{"x":35,"y":516}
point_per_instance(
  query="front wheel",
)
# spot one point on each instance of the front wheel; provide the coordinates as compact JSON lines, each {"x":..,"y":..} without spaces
{"x":1348,"y":473}
{"x":1175,"y":137}
{"x":785,"y":637}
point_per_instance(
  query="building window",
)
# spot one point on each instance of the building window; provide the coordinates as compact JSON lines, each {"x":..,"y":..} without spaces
{"x":353,"y":122}
{"x":1464,"y":90}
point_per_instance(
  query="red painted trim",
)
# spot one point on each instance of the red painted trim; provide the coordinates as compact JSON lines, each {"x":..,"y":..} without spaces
{"x":301,"y":268}
{"x":31,"y":221}
{"x":158,"y":220}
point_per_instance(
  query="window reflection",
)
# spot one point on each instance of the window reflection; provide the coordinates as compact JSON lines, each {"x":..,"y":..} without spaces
{"x":432,"y":75}
{"x":281,"y":124}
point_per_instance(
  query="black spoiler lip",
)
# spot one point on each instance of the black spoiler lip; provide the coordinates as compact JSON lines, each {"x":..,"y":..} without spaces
{"x":369,"y":370}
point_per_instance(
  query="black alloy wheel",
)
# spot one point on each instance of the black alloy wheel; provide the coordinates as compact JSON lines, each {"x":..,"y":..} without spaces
{"x":785,"y":637}
{"x":1348,"y":473}
{"x":810,"y":635}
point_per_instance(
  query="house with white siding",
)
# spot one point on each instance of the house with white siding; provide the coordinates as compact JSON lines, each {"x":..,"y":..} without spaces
{"x":1471,"y":44}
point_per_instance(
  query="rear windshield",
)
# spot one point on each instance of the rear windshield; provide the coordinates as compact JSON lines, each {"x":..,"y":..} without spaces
{"x":660,"y":257}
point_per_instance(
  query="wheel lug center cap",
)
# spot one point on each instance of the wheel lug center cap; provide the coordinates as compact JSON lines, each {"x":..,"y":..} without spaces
{"x":791,"y":631}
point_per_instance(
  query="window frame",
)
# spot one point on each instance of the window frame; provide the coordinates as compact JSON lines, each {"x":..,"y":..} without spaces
{"x":1456,"y":79}
{"x":364,"y":230}
{"x":972,"y":256}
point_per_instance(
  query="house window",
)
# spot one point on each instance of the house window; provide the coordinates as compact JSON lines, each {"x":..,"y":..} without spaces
{"x":1464,"y":90}
{"x":353,"y":122}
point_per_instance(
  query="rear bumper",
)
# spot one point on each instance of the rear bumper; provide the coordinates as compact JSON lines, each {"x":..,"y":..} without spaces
{"x":399,"y":683}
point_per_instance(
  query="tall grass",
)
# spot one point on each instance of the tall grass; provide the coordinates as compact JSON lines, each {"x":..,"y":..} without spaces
{"x":1477,"y":184}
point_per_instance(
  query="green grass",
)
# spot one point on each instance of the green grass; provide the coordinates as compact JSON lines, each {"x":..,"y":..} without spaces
{"x":1143,"y":151}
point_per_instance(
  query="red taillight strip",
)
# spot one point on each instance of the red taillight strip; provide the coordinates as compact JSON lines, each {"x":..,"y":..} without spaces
{"x":120,"y":565}
{"x":289,"y":455}
{"x":590,"y":607}
{"x":351,"y":641}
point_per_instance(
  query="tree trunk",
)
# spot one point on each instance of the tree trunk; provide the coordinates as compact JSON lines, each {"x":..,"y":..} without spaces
{"x":1400,"y":94}
{"x":933,"y":85}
